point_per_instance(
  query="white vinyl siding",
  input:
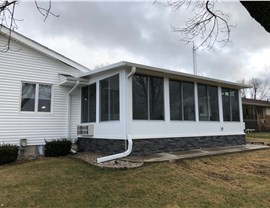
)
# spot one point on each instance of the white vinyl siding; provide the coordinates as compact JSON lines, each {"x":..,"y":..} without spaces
{"x":28,"y":65}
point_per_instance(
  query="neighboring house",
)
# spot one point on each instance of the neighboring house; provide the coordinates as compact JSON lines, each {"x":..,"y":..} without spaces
{"x":44,"y":95}
{"x":256,"y":114}
{"x":33,"y":105}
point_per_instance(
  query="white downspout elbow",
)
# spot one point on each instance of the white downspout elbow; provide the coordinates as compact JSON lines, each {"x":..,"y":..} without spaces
{"x":119,"y":155}
{"x":133,"y":71}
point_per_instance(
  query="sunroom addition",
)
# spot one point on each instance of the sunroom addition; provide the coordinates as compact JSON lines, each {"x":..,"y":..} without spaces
{"x":161,"y":110}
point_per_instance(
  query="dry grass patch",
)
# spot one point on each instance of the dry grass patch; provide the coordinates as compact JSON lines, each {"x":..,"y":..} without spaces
{"x":259,"y":137}
{"x":236,"y":180}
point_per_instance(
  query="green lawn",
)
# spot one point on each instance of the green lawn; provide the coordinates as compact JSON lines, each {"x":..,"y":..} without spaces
{"x":236,"y":180}
{"x":258,"y":137}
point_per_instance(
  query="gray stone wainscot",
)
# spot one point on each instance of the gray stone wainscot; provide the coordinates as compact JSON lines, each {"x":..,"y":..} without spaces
{"x":158,"y":145}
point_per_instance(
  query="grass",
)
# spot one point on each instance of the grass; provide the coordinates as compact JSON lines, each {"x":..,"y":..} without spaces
{"x":258,"y":137}
{"x":236,"y":180}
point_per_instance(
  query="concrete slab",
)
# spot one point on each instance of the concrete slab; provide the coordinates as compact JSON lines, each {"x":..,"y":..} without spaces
{"x":204,"y":152}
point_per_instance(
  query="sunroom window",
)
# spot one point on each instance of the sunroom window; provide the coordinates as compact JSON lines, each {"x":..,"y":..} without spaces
{"x":208,"y":103}
{"x":148,"y":98}
{"x":109,"y":98}
{"x":182,"y":103}
{"x":230,"y":102}
{"x":88,"y":103}
{"x":36,"y":97}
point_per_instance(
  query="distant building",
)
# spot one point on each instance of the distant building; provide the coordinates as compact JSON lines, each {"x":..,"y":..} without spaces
{"x":256,"y":114}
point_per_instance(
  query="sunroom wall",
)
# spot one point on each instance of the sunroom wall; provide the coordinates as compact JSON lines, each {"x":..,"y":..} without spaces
{"x":139,"y":129}
{"x":109,"y":129}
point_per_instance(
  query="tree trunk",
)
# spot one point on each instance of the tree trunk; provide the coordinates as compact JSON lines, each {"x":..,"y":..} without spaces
{"x":260,"y":11}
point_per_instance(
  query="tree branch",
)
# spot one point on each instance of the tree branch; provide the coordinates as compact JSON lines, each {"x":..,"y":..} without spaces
{"x":207,"y":24}
{"x":8,"y":20}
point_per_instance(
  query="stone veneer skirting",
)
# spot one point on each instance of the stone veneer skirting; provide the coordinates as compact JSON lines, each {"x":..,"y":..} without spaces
{"x":157,"y":145}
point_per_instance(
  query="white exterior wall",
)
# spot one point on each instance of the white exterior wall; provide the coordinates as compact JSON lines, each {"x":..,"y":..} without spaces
{"x":75,"y":113}
{"x":139,"y":129}
{"x":109,"y":129}
{"x":28,"y":65}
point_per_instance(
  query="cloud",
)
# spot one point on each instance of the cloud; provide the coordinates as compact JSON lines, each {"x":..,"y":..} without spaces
{"x":100,"y":33}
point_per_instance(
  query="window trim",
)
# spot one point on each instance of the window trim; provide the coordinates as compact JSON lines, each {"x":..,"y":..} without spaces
{"x":36,"y":98}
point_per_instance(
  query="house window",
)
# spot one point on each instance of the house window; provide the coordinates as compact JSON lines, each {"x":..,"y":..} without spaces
{"x":36,"y":97}
{"x":230,"y":102}
{"x":208,"y":103}
{"x":109,"y":98}
{"x":148,"y":98}
{"x":44,"y":98}
{"x":88,"y":102}
{"x":182,"y":104}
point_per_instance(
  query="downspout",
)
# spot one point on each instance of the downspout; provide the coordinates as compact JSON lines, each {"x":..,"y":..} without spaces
{"x":69,"y":108}
{"x":119,"y":155}
{"x":129,"y":139}
{"x":133,"y":71}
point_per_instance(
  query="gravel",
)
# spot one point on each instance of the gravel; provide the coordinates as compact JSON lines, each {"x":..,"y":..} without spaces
{"x":91,"y":158}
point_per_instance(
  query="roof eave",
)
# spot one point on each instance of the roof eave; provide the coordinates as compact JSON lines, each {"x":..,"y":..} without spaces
{"x":37,"y":46}
{"x":165,"y":71}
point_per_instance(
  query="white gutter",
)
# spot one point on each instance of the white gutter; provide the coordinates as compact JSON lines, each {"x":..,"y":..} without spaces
{"x":119,"y":155}
{"x":69,"y":108}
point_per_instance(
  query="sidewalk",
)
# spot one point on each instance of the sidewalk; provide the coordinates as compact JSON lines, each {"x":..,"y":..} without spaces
{"x":160,"y":157}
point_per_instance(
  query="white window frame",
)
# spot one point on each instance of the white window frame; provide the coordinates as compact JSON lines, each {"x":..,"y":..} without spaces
{"x":37,"y":98}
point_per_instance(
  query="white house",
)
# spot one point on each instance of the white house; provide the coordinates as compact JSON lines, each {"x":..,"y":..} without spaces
{"x":33,"y":104}
{"x":44,"y":95}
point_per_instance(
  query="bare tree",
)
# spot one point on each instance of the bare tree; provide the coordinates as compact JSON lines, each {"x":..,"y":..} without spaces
{"x":8,"y":20}
{"x":260,"y":88}
{"x":208,"y":23}
{"x":244,"y":90}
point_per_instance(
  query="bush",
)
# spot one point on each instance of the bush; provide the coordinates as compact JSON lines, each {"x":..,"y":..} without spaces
{"x":57,"y":148}
{"x":8,"y":153}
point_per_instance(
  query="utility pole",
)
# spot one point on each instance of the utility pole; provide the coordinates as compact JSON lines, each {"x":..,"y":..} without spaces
{"x":194,"y":59}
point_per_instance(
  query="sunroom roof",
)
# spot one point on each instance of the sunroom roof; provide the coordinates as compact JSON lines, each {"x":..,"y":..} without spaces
{"x":164,"y":71}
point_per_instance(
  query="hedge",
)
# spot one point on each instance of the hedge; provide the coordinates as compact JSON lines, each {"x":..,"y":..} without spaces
{"x":57,"y":148}
{"x":8,"y":153}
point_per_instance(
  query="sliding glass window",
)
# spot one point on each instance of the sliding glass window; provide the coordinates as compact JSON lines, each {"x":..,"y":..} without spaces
{"x":88,"y":95}
{"x":148,"y":98}
{"x":176,"y":109}
{"x":208,"y":103}
{"x":109,"y":98}
{"x":182,"y":103}
{"x":230,"y":102}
